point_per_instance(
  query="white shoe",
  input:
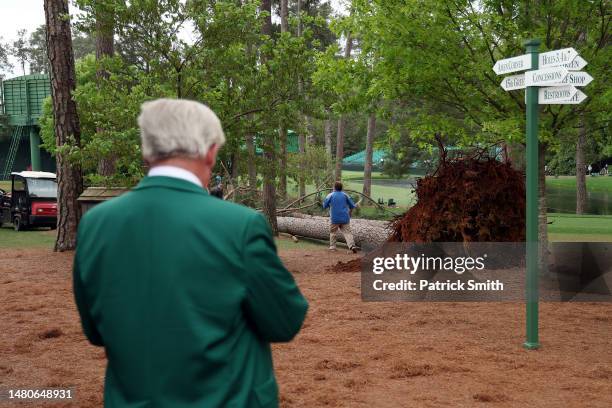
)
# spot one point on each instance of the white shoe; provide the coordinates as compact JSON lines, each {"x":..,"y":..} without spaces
{"x":332,"y":248}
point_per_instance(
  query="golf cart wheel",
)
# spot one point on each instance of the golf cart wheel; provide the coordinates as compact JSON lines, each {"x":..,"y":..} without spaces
{"x":17,"y":224}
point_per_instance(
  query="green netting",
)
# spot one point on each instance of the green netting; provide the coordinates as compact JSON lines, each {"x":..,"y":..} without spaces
{"x":23,"y":98}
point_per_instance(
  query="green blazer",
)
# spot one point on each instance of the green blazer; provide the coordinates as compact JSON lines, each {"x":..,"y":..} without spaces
{"x":185,"y":292}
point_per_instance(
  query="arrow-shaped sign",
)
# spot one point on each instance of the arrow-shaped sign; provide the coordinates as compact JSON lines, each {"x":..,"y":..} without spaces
{"x":579,"y":97}
{"x":577,"y":64}
{"x":520,"y":63}
{"x":546,"y":76}
{"x":578,"y":78}
{"x":557,"y":57}
{"x":556,"y":94}
{"x":512,"y":82}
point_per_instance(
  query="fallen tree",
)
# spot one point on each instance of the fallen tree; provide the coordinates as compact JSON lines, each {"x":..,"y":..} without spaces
{"x":470,"y":198}
{"x":367,"y":233}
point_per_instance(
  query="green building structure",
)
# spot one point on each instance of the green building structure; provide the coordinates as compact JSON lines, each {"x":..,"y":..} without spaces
{"x":22,"y":104}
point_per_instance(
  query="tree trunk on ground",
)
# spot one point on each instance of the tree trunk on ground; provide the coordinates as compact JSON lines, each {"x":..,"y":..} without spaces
{"x":328,"y":145}
{"x":542,"y":219}
{"x":66,"y":120}
{"x":105,"y":47}
{"x":581,"y":190}
{"x":368,"y":233}
{"x":269,"y":170}
{"x":342,"y":120}
{"x":367,"y":170}
{"x":282,"y":177}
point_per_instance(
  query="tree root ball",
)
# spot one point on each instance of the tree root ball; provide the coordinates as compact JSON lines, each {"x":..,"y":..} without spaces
{"x":466,"y":199}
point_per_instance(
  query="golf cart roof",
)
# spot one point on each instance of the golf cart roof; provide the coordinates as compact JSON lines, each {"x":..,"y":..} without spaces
{"x":35,"y":174}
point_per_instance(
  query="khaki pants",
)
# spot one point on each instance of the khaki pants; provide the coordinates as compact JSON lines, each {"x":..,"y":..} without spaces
{"x":345,"y":229}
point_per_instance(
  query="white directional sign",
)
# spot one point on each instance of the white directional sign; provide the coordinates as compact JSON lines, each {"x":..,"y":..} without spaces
{"x":520,"y":63}
{"x":512,"y":82}
{"x":557,"y":58}
{"x":579,"y":97}
{"x":546,"y":76}
{"x":556,"y":94}
{"x":577,"y":78}
{"x":577,"y":64}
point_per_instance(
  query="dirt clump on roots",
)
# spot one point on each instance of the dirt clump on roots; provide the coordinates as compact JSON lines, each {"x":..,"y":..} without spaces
{"x":471,"y":198}
{"x":354,"y":265}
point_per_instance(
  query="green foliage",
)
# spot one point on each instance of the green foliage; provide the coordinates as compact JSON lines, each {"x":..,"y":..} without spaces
{"x":37,"y":51}
{"x":311,"y":166}
{"x":5,"y":65}
{"x":435,"y":58}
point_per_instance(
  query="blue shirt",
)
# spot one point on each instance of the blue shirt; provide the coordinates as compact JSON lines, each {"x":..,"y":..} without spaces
{"x":340,"y":204}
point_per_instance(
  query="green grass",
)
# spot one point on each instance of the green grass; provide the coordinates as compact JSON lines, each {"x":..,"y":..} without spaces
{"x":285,"y":242}
{"x":597,"y":183}
{"x":5,"y":185}
{"x":585,"y":228}
{"x":25,"y":239}
{"x":45,"y":238}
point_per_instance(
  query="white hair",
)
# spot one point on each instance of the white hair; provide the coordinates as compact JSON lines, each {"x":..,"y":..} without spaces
{"x":178,"y":127}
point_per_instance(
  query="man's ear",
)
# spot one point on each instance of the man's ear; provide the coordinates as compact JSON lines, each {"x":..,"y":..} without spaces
{"x":211,"y":155}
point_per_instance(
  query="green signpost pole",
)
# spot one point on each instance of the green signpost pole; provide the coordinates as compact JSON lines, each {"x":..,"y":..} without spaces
{"x":532,"y":295}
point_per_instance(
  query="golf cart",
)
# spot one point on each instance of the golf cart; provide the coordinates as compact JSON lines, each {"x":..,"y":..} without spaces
{"x":32,"y":201}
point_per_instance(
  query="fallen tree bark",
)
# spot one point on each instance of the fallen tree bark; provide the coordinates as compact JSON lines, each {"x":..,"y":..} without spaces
{"x":368,"y":233}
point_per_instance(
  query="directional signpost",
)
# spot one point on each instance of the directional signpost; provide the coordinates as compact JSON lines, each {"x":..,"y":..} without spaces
{"x":578,"y":98}
{"x":506,"y":66}
{"x":576,"y":65}
{"x":550,"y":78}
{"x":557,"y":58}
{"x":546,"y":76}
{"x":556,"y":94}
{"x":578,"y":78}
{"x":513,"y":82}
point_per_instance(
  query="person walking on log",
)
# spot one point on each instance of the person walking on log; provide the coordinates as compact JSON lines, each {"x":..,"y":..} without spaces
{"x":184,"y":291}
{"x":341,"y":208}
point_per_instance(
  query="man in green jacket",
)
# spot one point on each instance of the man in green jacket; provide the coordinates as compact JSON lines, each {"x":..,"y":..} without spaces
{"x":183,"y":290}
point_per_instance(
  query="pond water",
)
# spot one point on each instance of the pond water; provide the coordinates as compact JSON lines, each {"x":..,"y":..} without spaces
{"x":560,"y":200}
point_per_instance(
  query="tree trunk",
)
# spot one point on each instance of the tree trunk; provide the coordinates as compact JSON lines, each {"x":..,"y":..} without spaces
{"x":368,"y":234}
{"x":252,"y":162}
{"x":506,"y":153}
{"x":342,"y":120}
{"x":284,"y":15}
{"x":105,"y":47}
{"x":581,"y":190}
{"x":282,"y":179}
{"x":269,"y":170}
{"x":542,"y":219}
{"x":328,"y":145}
{"x":340,"y":147}
{"x":282,"y":132}
{"x":302,"y":150}
{"x":66,"y":120}
{"x":310,"y":137}
{"x":367,"y":170}
{"x":301,"y":136}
